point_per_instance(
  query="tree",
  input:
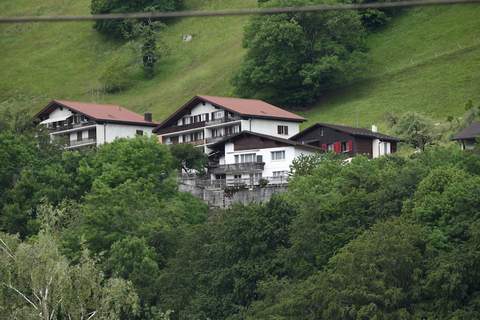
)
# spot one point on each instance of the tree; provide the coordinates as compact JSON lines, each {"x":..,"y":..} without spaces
{"x":39,"y":283}
{"x":417,"y":130}
{"x":293,"y":58}
{"x":124,"y":28}
{"x":188,"y":158}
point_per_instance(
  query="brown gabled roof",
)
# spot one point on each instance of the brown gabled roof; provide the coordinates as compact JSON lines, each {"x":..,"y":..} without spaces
{"x":470,"y":132}
{"x":99,"y":112}
{"x":264,"y":136}
{"x":243,"y":107}
{"x":361,"y":132}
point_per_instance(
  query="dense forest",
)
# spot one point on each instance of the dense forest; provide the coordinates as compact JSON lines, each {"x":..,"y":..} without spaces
{"x":105,"y":234}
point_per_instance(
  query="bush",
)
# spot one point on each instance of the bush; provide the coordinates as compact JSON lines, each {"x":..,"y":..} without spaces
{"x":122,"y":28}
{"x":293,"y":58}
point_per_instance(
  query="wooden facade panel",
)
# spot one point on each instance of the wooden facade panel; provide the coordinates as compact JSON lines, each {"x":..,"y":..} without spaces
{"x":363,"y":146}
{"x":323,"y":135}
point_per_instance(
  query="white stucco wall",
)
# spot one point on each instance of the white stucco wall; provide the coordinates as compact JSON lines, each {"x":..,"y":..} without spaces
{"x":200,"y":109}
{"x":271,"y":166}
{"x":378,"y":148}
{"x":270,"y":127}
{"x":109,"y":132}
{"x":57,"y":113}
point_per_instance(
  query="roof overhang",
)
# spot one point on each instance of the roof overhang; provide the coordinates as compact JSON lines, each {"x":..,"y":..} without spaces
{"x":197,"y":99}
{"x":55,"y":103}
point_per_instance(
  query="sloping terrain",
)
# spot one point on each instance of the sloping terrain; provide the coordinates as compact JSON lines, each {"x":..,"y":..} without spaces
{"x":427,"y":59}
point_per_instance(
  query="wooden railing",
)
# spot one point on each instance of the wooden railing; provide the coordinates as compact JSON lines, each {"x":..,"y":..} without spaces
{"x":72,"y":126}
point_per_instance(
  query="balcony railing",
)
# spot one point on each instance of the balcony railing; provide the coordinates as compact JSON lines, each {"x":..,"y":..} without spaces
{"x":71,"y":126}
{"x":243,"y":182}
{"x":216,"y":139}
{"x":248,"y":167}
{"x":181,"y":128}
{"x":222,"y":120}
{"x":79,"y":143}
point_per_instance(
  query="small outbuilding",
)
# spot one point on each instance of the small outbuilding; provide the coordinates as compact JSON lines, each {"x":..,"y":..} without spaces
{"x":468,"y":136}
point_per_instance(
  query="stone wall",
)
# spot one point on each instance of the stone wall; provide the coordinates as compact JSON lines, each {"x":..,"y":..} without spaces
{"x":218,"y":198}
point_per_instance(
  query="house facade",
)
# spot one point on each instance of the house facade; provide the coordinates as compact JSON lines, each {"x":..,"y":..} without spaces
{"x":348,"y":140}
{"x":467,"y":138}
{"x":206,"y":120}
{"x":78,"y":124}
{"x":249,"y":157}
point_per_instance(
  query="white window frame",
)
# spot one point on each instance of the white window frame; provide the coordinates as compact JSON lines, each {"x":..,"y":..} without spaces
{"x":274,"y":155}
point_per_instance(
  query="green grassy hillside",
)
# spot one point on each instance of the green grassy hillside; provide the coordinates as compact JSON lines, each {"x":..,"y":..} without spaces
{"x":427,"y":59}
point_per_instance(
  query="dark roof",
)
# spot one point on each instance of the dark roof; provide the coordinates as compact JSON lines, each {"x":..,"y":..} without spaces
{"x":99,"y":112}
{"x":243,"y":107}
{"x":360,"y":132}
{"x":264,"y":136}
{"x":470,"y":132}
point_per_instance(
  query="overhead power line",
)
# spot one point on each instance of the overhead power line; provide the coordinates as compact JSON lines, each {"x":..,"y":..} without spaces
{"x":232,"y":12}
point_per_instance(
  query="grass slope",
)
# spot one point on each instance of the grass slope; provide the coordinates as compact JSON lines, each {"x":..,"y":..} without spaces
{"x":427,"y":59}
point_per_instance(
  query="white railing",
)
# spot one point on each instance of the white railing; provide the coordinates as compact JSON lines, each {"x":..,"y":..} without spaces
{"x":240,"y":183}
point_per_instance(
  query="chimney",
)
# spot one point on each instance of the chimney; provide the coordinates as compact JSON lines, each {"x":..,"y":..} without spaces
{"x":148,"y":116}
{"x":374,"y":128}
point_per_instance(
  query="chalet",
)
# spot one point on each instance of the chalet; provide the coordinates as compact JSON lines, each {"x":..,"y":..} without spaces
{"x":250,"y":156}
{"x":468,"y":136}
{"x":348,"y":140}
{"x":206,"y":120}
{"x":79,"y":124}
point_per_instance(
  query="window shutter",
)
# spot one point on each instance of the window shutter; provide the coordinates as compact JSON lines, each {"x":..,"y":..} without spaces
{"x":337,"y":147}
{"x":350,"y":146}
{"x":324,"y":147}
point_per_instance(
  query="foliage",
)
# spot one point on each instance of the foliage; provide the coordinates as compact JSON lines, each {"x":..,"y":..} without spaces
{"x":39,"y":283}
{"x":123,"y":28}
{"x":417,"y":130}
{"x":188,"y":158}
{"x":293,"y":58}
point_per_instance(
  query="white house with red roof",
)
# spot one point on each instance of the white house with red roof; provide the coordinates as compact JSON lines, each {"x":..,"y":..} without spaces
{"x":247,"y":140}
{"x":80,"y":124}
{"x":205,"y":120}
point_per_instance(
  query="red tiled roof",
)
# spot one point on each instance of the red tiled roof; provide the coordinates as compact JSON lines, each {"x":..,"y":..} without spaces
{"x":252,"y":107}
{"x":243,"y":107}
{"x":100,"y":112}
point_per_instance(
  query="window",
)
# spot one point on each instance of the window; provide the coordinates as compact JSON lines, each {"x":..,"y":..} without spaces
{"x":282,"y":130}
{"x":217,"y":115}
{"x":187,"y":138}
{"x":186,"y":120}
{"x":330,"y":147}
{"x":278,"y":155}
{"x":79,"y":135}
{"x":139,"y":133}
{"x":237,"y":176}
{"x":344,"y":147}
{"x":92,"y":134}
{"x":245,"y":158}
{"x":321,"y":132}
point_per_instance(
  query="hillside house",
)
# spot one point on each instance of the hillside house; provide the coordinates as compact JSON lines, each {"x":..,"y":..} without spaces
{"x":248,"y":157}
{"x":348,"y":140}
{"x":80,"y":124}
{"x":467,"y":137}
{"x":206,"y":120}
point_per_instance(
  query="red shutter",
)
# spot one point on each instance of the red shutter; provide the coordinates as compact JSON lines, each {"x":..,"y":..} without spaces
{"x":324,"y":147}
{"x":337,"y":147}
{"x":350,"y":146}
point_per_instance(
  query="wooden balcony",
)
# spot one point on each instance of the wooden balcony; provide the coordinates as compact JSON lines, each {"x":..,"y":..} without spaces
{"x":181,"y":128}
{"x":71,"y":126}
